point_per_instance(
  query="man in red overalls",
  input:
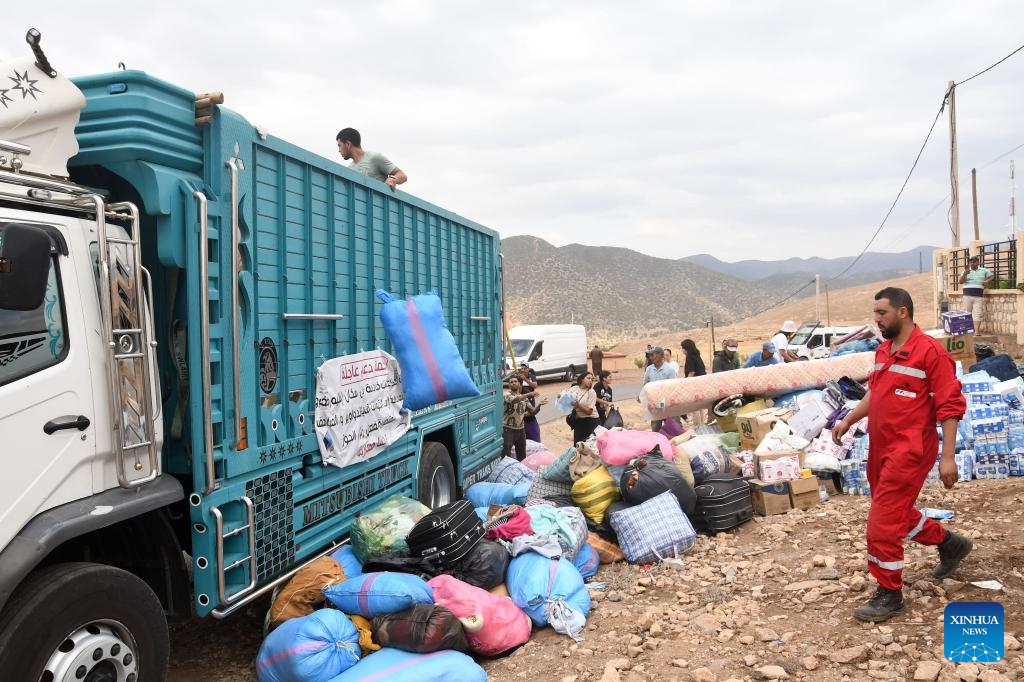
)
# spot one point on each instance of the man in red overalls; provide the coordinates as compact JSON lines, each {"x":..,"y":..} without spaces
{"x":913,"y":385}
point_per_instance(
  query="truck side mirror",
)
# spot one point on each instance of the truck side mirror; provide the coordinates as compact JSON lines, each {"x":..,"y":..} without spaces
{"x":24,"y":266}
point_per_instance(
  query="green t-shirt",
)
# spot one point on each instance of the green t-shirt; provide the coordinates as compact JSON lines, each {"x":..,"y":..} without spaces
{"x":374,"y":164}
{"x":976,"y":278}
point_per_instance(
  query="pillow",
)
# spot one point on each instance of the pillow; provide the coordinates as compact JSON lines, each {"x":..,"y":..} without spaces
{"x":432,"y":368}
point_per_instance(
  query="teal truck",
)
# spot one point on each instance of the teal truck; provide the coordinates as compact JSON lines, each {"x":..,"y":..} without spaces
{"x":171,"y":278}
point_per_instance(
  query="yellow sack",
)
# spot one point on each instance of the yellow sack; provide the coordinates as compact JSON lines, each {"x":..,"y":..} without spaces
{"x":499,"y":590}
{"x":366,"y":642}
{"x":595,"y":492}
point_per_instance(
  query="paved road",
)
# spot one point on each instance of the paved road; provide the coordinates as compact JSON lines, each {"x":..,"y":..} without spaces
{"x":626,"y":390}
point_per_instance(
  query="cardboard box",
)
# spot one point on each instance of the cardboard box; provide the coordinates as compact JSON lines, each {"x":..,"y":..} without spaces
{"x":960,"y":347}
{"x":770,"y":498}
{"x":830,"y":485}
{"x":803,"y":492}
{"x":769,"y":466}
{"x":957,"y":322}
{"x":754,"y":426}
{"x":809,"y":421}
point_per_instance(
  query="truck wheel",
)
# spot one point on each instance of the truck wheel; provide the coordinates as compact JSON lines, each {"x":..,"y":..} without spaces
{"x":78,"y":622}
{"x":435,"y":482}
{"x":570,"y":374}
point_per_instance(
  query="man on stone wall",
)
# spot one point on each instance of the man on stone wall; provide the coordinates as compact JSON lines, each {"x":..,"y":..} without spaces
{"x":974,"y":280}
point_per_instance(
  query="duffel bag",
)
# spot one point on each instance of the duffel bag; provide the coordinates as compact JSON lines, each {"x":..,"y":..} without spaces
{"x":724,"y":501}
{"x":652,"y":531}
{"x":421,"y":629}
{"x":312,"y":648}
{"x":649,"y":476}
{"x":446,"y":534}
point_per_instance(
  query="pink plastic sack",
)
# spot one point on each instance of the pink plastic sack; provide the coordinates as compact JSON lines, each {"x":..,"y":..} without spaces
{"x":618,"y":447}
{"x":539,"y":459}
{"x":502,"y":624}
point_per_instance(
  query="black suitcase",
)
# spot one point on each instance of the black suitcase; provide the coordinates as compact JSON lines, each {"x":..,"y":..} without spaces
{"x":724,"y":501}
{"x":446,"y":534}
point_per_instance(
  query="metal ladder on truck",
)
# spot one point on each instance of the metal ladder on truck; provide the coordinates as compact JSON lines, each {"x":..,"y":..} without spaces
{"x":127,"y":322}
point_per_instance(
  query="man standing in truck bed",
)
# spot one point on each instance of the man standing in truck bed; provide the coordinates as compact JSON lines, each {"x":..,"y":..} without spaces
{"x":373,"y":164}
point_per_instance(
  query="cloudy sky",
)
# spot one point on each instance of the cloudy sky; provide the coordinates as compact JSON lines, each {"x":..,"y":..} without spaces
{"x":740,"y":129}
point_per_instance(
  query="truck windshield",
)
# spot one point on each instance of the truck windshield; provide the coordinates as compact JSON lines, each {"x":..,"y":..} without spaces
{"x":801,"y":336}
{"x":520,"y":347}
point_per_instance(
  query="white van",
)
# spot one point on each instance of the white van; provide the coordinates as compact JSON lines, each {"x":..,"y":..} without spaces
{"x":817,"y":339}
{"x":550,"y":349}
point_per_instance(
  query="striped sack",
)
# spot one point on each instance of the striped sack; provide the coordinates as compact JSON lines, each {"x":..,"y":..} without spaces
{"x":432,"y":368}
{"x":655,"y":530}
{"x":594,"y":492}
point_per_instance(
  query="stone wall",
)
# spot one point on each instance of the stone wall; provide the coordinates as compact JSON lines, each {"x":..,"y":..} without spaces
{"x":1001,"y":310}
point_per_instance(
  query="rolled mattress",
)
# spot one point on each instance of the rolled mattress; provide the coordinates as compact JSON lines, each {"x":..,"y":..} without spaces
{"x":676,"y":397}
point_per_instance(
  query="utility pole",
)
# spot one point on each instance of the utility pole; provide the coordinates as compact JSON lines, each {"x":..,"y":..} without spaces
{"x":828,"y":310}
{"x":1013,"y":203}
{"x":974,"y":199}
{"x":954,"y":176}
{"x":711,"y":323}
{"x":817,"y":295}
{"x":920,"y":262}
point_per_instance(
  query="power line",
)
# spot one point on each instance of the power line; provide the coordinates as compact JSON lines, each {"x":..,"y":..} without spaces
{"x":942,"y":106}
{"x":899,"y":194}
{"x":782,"y":300}
{"x":944,"y":199}
{"x":993,"y":66}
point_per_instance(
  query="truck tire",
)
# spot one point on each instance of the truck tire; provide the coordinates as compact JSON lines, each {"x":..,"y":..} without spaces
{"x":570,"y":374}
{"x":79,"y":621}
{"x":435,"y":480}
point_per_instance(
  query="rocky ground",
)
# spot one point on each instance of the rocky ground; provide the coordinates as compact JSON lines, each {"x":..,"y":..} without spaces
{"x":771,"y":599}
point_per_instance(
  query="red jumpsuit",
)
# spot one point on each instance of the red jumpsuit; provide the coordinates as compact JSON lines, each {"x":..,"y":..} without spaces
{"x":910,"y":391}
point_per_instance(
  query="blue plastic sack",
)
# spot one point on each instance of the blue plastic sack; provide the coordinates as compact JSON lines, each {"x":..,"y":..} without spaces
{"x":544,"y":587}
{"x":481,"y":512}
{"x":587,"y":561}
{"x":312,"y":648}
{"x":484,"y":493}
{"x":432,"y":368}
{"x":378,"y":593}
{"x":346,"y":556}
{"x":394,"y":664}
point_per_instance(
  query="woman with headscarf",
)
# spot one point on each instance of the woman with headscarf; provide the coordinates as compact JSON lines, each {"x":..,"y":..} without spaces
{"x":693,"y":367}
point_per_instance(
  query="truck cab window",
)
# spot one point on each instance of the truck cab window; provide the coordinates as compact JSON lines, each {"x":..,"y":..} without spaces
{"x":34,"y":339}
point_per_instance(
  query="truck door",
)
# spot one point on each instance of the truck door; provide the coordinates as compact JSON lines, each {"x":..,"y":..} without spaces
{"x":47,"y":421}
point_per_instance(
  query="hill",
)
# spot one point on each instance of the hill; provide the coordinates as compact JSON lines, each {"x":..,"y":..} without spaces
{"x":618,"y":293}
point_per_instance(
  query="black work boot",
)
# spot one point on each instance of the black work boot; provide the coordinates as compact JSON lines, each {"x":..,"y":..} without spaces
{"x":883,"y":606}
{"x":952,"y":551}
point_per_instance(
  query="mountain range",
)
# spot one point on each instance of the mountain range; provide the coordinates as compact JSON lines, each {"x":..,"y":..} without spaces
{"x":621,"y":294}
{"x":872,"y":267}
